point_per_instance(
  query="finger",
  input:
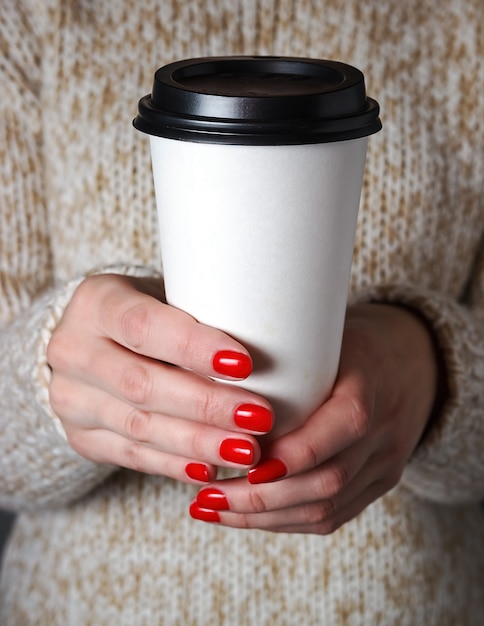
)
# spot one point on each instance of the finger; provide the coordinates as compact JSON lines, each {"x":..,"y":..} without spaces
{"x":144,"y":325}
{"x":321,"y":485}
{"x":85,"y":408}
{"x":339,"y":425}
{"x":155,"y":387}
{"x":317,"y":508}
{"x":102,"y":446}
{"x":314,"y":518}
{"x":342,"y":516}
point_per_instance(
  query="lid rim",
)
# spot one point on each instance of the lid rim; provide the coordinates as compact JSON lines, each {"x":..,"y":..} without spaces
{"x":258,"y":138}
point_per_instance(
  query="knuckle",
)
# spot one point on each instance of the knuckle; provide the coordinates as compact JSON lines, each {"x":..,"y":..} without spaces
{"x":188,"y":345}
{"x":137,"y":425}
{"x":244,"y":521}
{"x":328,"y":527}
{"x":58,"y":349}
{"x":256,"y":502}
{"x":133,"y":456}
{"x":77,"y":441}
{"x":207,"y":406}
{"x":86,"y":289}
{"x":334,"y":479}
{"x":136,"y":385}
{"x":198,"y":446}
{"x":135,"y":326}
{"x":319,"y":513}
{"x":359,"y":419}
{"x":309,"y":455}
{"x":66,"y":346}
{"x":58,"y":398}
{"x":67,"y":351}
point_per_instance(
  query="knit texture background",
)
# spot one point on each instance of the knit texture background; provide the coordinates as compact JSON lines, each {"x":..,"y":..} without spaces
{"x":98,"y":546}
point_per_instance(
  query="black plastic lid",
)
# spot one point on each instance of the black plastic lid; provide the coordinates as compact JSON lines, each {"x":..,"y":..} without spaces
{"x":258,"y":100}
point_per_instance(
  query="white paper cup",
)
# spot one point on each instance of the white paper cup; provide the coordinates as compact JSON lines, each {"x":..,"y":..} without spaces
{"x":257,"y":227}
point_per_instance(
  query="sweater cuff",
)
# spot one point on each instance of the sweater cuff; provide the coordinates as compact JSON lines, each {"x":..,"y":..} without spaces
{"x":448,"y":464}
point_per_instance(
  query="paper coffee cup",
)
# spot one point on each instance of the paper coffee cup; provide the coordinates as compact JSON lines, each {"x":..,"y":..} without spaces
{"x":258,"y":165}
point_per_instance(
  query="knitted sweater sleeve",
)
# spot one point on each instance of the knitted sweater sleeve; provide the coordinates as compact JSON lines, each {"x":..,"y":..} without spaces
{"x":37,"y":466}
{"x":448,"y":464}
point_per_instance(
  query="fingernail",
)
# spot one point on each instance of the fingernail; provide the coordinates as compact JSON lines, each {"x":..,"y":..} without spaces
{"x":253,"y":417}
{"x":197,"y":471}
{"x":214,"y":499}
{"x":234,"y":364}
{"x":267,"y":471}
{"x":237,"y":451}
{"x":204,"y":515}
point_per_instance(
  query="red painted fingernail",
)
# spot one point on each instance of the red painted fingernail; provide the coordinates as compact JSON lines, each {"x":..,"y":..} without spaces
{"x":267,"y":471}
{"x":253,"y":417}
{"x":205,"y":515}
{"x":197,"y":471}
{"x":237,"y":451}
{"x":214,"y":499}
{"x":234,"y":364}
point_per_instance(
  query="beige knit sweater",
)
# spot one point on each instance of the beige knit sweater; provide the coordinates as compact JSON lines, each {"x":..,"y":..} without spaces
{"x":98,"y":546}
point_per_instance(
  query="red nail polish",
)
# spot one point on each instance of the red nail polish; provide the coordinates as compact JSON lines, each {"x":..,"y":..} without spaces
{"x":234,"y":364}
{"x":214,"y":499}
{"x":205,"y":515}
{"x":267,"y":471}
{"x":197,"y":471}
{"x":253,"y":417}
{"x":237,"y":451}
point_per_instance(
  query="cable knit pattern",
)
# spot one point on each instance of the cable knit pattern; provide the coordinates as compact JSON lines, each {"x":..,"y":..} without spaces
{"x":96,"y":545}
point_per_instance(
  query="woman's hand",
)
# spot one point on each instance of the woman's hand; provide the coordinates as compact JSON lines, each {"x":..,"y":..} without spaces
{"x":121,"y":400}
{"x":355,"y":447}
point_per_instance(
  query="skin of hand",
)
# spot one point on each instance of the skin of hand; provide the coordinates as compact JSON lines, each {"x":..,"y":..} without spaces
{"x":354,"y":448}
{"x":120,"y":399}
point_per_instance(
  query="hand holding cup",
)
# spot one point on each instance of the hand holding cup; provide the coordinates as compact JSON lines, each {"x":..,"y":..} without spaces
{"x":354,"y":448}
{"x":133,"y":384}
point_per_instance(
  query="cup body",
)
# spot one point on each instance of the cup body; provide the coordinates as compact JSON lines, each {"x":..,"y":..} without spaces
{"x":258,"y":241}
{"x":258,"y":165}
